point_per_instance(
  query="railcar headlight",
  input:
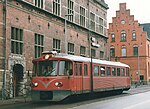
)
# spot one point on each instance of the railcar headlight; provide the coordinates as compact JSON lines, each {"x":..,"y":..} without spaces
{"x":35,"y":84}
{"x":47,"y":56}
{"x":58,"y":84}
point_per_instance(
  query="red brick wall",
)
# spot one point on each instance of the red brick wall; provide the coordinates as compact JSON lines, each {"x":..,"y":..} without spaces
{"x":141,"y":40}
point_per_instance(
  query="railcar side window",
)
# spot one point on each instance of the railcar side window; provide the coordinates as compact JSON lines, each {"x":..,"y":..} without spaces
{"x":85,"y":70}
{"x":102,"y":69}
{"x":108,"y":71}
{"x":122,"y":72}
{"x":114,"y":71}
{"x":95,"y":70}
{"x":78,"y":69}
{"x":65,"y":68}
{"x":118,"y":71}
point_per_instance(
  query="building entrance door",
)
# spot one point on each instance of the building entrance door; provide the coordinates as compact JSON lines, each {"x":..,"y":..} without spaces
{"x":141,"y":79}
{"x":17,"y":78}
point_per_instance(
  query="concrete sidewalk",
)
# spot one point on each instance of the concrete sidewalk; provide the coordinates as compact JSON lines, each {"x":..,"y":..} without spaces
{"x":138,"y":89}
{"x":15,"y":100}
{"x":133,"y":90}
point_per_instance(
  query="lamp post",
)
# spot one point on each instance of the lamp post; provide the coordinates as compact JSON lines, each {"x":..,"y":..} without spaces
{"x":93,"y":44}
{"x":66,"y":31}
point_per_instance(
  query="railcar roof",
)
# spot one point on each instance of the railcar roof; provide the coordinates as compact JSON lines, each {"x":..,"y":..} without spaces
{"x":85,"y":59}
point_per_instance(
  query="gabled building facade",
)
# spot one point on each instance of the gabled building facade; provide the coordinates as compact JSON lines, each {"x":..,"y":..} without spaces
{"x":130,"y":44}
{"x":29,"y":27}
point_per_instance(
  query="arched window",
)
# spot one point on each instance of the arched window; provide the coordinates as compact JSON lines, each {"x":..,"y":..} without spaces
{"x":112,"y":51}
{"x":123,"y":36}
{"x":123,"y":51}
{"x":133,"y":35}
{"x":113,"y":37}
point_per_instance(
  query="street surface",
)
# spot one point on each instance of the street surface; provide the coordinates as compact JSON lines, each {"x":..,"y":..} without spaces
{"x":137,"y":101}
{"x":135,"y":98}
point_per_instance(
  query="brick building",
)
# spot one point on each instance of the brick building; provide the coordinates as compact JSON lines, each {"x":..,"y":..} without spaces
{"x":28,"y":27}
{"x":130,"y":43}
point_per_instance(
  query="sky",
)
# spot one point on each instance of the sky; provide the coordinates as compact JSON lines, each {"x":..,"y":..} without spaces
{"x":138,"y":8}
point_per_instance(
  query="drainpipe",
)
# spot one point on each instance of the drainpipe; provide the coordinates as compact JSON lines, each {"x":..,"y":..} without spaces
{"x":4,"y":45}
{"x":89,"y":29}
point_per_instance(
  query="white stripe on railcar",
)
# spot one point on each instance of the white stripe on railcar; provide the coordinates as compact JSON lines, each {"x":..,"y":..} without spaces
{"x":85,"y":59}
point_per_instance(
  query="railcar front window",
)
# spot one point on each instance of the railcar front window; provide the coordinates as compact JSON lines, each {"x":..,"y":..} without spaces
{"x":65,"y":68}
{"x":34,"y":69}
{"x":47,"y":68}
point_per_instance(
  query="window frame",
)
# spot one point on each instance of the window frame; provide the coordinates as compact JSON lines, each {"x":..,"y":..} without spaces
{"x":57,"y":7}
{"x":113,"y":37}
{"x":123,"y":51}
{"x":135,"y":50}
{"x":123,"y":36}
{"x":56,"y":45}
{"x":96,"y":70}
{"x":112,"y":51}
{"x":38,"y":3}
{"x":17,"y":40}
{"x":82,"y":51}
{"x":102,"y":72}
{"x":85,"y":71}
{"x":70,"y":10}
{"x":38,"y":45}
{"x":71,"y":48}
{"x":134,"y":35}
{"x":82,"y":16}
{"x":92,"y":21}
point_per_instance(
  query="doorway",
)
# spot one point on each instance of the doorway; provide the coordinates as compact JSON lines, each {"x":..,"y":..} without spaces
{"x":142,"y":79}
{"x":17,"y":78}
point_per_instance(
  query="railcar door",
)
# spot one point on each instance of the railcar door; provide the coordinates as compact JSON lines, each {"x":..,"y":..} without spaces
{"x":78,"y":77}
{"x":86,"y":78}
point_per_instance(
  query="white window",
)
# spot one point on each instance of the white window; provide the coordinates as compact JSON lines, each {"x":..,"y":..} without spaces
{"x":16,"y":40}
{"x":123,"y":50}
{"x":123,"y":36}
{"x":82,"y":50}
{"x":38,"y":44}
{"x":56,"y":7}
{"x":70,"y":10}
{"x":92,"y":21}
{"x":101,"y":29}
{"x":56,"y":45}
{"x":39,"y":3}
{"x":82,"y":16}
{"x":71,"y":48}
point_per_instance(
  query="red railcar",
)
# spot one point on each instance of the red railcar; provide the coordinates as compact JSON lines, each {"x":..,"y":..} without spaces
{"x":57,"y":76}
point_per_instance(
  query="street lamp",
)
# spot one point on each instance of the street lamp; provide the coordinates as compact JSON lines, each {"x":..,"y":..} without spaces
{"x":66,"y":31}
{"x":93,"y":44}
